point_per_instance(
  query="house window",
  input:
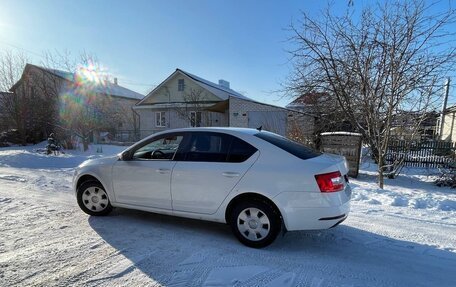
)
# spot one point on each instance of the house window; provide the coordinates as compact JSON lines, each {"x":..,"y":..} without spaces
{"x":160,"y":119}
{"x":180,"y":85}
{"x":195,"y":119}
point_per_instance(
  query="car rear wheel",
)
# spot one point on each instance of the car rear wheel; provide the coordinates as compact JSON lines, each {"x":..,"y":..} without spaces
{"x":256,"y":223}
{"x":93,"y":199}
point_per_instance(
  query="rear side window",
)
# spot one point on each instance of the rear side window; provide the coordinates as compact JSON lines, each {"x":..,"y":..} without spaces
{"x":216,"y":147}
{"x":295,"y":148}
{"x":208,"y":147}
{"x":240,"y":150}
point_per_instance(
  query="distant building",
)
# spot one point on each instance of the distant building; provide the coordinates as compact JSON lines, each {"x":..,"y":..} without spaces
{"x":309,"y":103}
{"x":5,"y":122}
{"x":50,"y":90}
{"x":404,"y":125}
{"x":329,"y":116}
{"x":186,"y":100}
{"x":449,"y":125}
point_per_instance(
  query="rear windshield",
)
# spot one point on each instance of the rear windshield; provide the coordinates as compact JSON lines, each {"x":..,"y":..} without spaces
{"x":295,"y":148}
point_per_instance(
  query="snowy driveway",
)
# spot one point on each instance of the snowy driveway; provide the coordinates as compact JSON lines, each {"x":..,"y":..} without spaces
{"x":46,"y":240}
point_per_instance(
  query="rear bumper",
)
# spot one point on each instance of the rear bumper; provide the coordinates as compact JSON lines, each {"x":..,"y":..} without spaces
{"x":313,"y":211}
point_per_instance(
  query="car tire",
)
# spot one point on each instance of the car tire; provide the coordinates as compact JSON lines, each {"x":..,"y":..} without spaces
{"x":256,"y":223}
{"x":93,"y":199}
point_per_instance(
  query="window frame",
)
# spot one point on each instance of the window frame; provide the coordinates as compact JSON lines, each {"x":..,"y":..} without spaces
{"x":180,"y":85}
{"x":159,"y":116}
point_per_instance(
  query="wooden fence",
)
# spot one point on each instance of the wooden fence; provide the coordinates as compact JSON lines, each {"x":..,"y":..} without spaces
{"x":430,"y":154}
{"x":346,"y":144}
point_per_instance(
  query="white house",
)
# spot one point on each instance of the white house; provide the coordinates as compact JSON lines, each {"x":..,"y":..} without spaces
{"x":185,"y":100}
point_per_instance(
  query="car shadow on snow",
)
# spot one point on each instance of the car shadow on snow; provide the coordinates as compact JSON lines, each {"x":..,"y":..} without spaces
{"x":170,"y":250}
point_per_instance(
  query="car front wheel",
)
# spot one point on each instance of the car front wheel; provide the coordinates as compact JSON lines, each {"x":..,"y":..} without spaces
{"x":93,"y":199}
{"x":256,"y":223}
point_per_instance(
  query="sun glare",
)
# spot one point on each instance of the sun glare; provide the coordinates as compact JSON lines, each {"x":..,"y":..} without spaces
{"x":92,"y":74}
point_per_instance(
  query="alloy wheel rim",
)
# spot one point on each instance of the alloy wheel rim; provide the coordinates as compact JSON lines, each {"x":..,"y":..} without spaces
{"x":95,"y":199}
{"x":253,"y":224}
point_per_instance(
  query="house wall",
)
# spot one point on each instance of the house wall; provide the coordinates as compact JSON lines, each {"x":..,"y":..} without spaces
{"x":169,"y":93}
{"x":239,"y":116}
{"x":126,"y":118}
{"x":37,"y":93}
{"x":175,"y":120}
{"x":449,"y":127}
{"x":6,"y":122}
{"x":177,"y":106}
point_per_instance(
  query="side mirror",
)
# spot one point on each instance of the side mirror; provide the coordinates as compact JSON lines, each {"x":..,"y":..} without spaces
{"x":125,"y":155}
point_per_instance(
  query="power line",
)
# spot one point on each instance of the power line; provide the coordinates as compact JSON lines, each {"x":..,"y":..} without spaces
{"x":17,"y":47}
{"x":23,"y":49}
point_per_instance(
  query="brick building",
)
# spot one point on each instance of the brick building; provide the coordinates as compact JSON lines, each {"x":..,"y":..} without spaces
{"x":45,"y":96}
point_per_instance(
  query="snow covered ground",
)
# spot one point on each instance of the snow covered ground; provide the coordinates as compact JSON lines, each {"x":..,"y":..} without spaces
{"x":404,"y":235}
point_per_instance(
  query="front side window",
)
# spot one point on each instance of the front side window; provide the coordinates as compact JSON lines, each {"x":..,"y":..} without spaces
{"x":160,"y":119}
{"x":195,"y":119}
{"x":180,"y":85}
{"x":163,"y":148}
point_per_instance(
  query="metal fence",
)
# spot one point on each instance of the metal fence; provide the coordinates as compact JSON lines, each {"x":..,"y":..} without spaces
{"x":430,"y":154}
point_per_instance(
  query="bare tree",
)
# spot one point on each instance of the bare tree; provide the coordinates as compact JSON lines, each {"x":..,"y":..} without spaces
{"x":83,"y":107}
{"x":66,"y":94}
{"x":13,"y":107}
{"x":194,"y":100}
{"x":391,"y":58}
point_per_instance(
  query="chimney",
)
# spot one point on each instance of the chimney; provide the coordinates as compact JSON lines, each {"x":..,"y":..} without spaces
{"x":224,"y":83}
{"x":115,"y":81}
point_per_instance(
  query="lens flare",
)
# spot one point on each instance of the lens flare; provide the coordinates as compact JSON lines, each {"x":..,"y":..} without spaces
{"x":86,"y":97}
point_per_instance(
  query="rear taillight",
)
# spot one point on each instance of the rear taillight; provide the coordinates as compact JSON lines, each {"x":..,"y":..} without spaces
{"x":330,"y":182}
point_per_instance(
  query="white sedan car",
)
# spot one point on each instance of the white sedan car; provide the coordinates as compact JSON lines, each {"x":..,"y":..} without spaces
{"x":258,"y":182}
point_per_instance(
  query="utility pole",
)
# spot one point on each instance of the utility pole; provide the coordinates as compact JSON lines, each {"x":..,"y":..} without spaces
{"x":445,"y":100}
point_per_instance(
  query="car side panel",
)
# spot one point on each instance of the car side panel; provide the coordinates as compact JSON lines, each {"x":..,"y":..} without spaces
{"x":290,"y":184}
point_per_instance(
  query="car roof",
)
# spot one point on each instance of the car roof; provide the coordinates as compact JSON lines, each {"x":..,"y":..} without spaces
{"x":227,"y":130}
{"x":216,"y":129}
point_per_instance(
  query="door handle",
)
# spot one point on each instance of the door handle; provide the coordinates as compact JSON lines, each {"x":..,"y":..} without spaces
{"x":162,"y":170}
{"x":230,"y":174}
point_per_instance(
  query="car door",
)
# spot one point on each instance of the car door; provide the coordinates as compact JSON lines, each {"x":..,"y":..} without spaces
{"x":144,"y":178}
{"x":210,"y":167}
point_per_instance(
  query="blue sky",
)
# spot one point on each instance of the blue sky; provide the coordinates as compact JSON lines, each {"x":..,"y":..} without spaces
{"x":142,"y":42}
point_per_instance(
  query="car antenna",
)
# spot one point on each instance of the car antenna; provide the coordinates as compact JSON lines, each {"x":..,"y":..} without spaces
{"x":259,"y":128}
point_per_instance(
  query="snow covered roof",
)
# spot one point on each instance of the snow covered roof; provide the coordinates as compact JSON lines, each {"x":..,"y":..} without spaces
{"x":308,"y":99}
{"x":105,"y":87}
{"x":6,"y":94}
{"x":220,"y":91}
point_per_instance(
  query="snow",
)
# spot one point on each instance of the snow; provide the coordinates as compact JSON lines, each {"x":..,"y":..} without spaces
{"x":404,"y":235}
{"x":106,"y":87}
{"x":414,"y":189}
{"x":218,"y":90}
